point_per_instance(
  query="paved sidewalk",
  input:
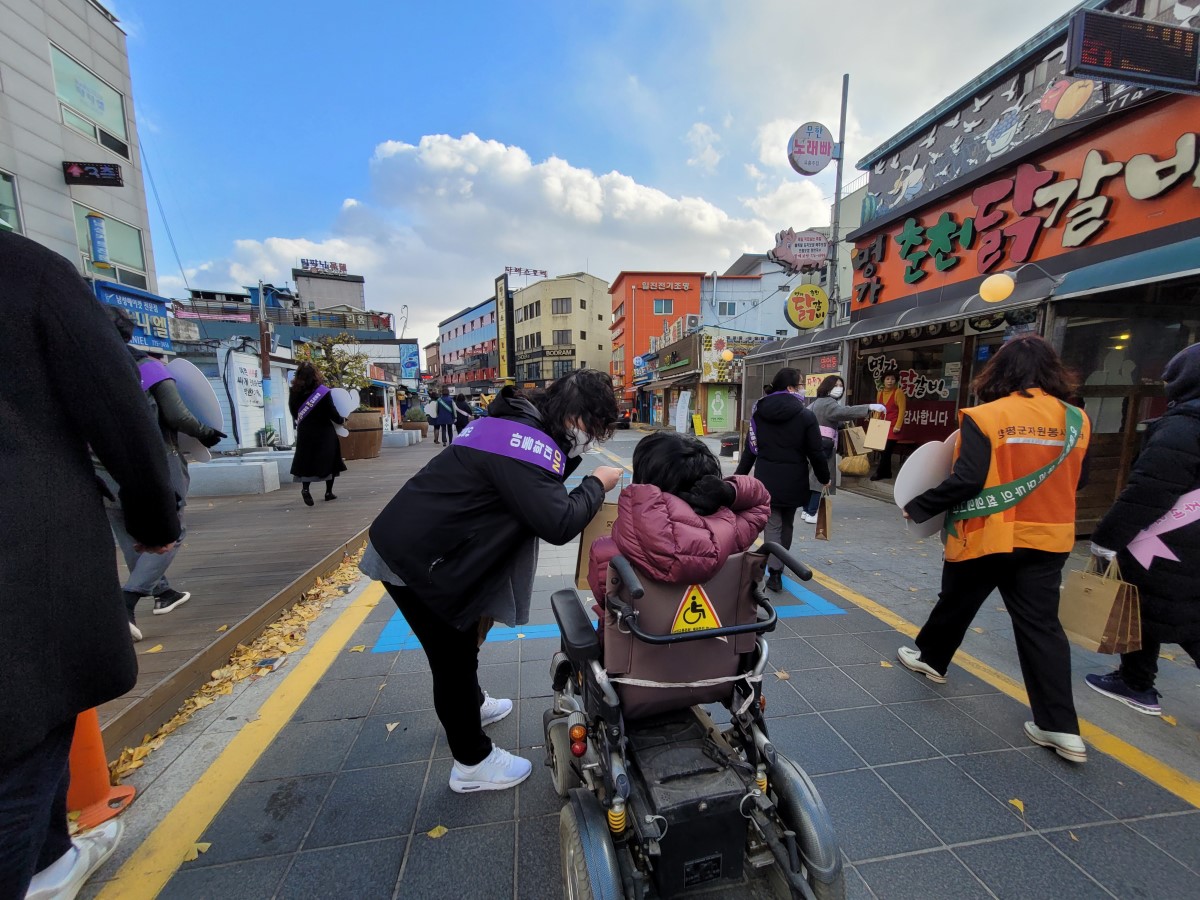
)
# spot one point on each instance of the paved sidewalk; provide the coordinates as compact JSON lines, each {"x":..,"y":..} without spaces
{"x":934,"y":790}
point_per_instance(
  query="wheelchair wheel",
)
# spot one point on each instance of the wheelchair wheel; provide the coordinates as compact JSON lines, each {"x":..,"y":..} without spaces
{"x":803,"y":811}
{"x":589,"y":862}
{"x":563,"y":776}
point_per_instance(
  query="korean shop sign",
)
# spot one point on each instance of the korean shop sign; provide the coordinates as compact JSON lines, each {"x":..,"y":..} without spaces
{"x":99,"y":174}
{"x":1143,"y":174}
{"x":806,"y":306}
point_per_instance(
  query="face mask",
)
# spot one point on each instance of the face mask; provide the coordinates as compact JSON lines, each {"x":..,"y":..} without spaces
{"x":837,"y":392}
{"x":581,"y":442}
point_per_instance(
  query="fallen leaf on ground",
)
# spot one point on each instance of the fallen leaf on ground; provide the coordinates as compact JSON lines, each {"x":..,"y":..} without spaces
{"x":157,"y":648}
{"x":358,"y":648}
{"x":1072,"y":834}
{"x":884,"y":664}
{"x":223,"y":628}
{"x":783,"y":676}
{"x":391,"y":726}
{"x":1019,"y":805}
{"x":912,"y":590}
{"x":977,"y":630}
{"x":195,"y":850}
{"x":1170,"y":720}
{"x":437,"y":831}
{"x":1170,"y":656}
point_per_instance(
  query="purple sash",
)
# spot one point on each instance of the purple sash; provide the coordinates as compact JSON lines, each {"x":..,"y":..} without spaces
{"x":514,"y":440}
{"x":313,"y":399}
{"x":152,"y":372}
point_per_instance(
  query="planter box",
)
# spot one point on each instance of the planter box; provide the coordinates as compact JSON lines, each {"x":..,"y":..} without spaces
{"x":422,"y":427}
{"x":366,"y":435}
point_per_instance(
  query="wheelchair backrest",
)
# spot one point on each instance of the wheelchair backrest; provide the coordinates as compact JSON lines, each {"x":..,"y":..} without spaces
{"x":725,"y":599}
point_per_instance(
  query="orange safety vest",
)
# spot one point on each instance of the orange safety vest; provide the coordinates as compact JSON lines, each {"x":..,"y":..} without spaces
{"x":1026,"y":433}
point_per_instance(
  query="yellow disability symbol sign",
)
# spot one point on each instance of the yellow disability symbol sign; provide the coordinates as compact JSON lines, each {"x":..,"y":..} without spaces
{"x":695,"y":612}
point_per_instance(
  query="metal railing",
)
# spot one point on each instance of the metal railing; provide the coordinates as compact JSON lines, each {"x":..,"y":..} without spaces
{"x":248,"y":312}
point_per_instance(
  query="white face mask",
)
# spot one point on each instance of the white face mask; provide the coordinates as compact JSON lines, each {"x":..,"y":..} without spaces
{"x":581,"y":442}
{"x":836,"y":393}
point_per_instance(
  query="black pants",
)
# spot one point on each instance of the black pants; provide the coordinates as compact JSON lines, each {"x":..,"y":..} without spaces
{"x":454,"y":661}
{"x":443,"y":433}
{"x":1139,"y":669}
{"x":33,"y":811}
{"x":884,"y":469}
{"x":780,"y":525}
{"x":1028,"y":581}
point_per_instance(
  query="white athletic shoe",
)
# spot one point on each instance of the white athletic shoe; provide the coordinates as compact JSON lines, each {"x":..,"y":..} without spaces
{"x":493,"y":710}
{"x":64,"y":878}
{"x":499,"y":771}
{"x":1069,"y":746}
{"x":805,"y":517}
{"x":911,"y":660}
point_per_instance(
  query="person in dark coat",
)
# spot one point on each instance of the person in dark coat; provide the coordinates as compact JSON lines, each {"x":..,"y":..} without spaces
{"x":456,"y":548}
{"x":318,"y":450}
{"x":64,"y":635}
{"x":1165,"y":565}
{"x":463,"y":415}
{"x":785,"y":440}
{"x":443,"y":419}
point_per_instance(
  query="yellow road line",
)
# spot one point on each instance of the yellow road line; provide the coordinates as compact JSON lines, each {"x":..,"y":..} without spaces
{"x":151,"y":866}
{"x":1159,"y":772}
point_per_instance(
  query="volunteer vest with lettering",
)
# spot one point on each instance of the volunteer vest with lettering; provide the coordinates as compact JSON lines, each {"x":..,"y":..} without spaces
{"x":1026,"y":433}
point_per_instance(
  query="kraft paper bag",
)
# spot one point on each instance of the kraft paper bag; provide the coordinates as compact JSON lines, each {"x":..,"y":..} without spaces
{"x":878,"y":432}
{"x":600,"y":526}
{"x":857,"y":466}
{"x":1099,"y":611}
{"x":824,"y":517}
{"x":853,"y":441}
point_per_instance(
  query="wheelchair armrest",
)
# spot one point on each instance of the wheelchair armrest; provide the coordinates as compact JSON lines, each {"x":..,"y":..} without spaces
{"x":803,"y":572}
{"x":578,"y":634}
{"x":627,"y":576}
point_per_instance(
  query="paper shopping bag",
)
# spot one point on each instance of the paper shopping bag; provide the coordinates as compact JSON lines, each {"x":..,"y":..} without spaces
{"x":824,"y":517}
{"x":1099,"y":611}
{"x":853,"y":441}
{"x":878,"y":432}
{"x":600,"y":526}
{"x":855,"y":465}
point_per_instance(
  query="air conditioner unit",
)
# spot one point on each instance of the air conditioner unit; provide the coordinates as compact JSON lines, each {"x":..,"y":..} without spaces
{"x":691,"y":323}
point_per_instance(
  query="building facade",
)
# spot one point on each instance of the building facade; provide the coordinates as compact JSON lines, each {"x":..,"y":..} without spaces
{"x":559,"y":324}
{"x":324,"y":284}
{"x":70,"y":162}
{"x":467,"y":349}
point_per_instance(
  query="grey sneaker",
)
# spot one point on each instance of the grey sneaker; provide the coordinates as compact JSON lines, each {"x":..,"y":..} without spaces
{"x":911,"y":660}
{"x":492,"y":710}
{"x":1069,"y":746}
{"x":499,"y":771}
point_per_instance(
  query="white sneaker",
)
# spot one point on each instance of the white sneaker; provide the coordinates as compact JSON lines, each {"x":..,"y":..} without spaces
{"x":135,"y":632}
{"x":911,"y":660}
{"x":805,"y":517}
{"x":493,"y":710}
{"x":499,"y":771}
{"x":62,"y":880}
{"x":1069,"y":746}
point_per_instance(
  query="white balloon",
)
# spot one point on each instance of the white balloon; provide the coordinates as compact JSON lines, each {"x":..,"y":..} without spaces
{"x":926,"y":468}
{"x":343,"y":401}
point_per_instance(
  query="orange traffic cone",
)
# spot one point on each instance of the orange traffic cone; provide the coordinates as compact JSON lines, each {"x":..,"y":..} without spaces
{"x":92,"y":793}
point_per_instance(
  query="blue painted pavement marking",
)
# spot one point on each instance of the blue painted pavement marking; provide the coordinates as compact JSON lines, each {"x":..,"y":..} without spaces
{"x":397,"y":635}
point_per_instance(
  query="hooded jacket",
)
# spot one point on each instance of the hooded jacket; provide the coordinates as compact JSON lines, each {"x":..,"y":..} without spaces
{"x":1167,"y":468}
{"x":456,"y":527}
{"x":787,"y":440}
{"x":664,"y":538}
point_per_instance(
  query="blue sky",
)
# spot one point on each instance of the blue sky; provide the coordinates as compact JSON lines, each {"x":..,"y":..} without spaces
{"x":430,"y":145}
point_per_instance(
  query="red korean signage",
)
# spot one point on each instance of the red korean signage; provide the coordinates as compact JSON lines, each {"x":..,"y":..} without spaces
{"x":1141,"y":175}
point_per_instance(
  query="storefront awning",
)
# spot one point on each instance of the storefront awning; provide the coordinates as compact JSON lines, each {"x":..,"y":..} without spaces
{"x":667,"y":382}
{"x":1178,"y":260}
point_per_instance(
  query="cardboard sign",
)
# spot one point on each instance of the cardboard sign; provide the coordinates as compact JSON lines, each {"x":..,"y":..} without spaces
{"x":695,"y":612}
{"x":600,"y":526}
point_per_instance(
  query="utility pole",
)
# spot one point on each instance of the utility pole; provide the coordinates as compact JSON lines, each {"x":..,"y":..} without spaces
{"x":264,"y":352}
{"x":837,"y":204}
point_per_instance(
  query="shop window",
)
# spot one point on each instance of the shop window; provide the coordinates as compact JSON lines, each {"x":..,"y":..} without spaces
{"x":664,"y":307}
{"x":928,"y":376}
{"x":10,"y":211}
{"x":89,"y":105}
{"x":124,"y":249}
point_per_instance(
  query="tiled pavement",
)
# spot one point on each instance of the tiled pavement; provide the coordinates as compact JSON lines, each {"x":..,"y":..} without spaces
{"x":920,"y":779}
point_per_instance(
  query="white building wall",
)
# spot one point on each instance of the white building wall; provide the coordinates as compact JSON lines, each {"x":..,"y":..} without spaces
{"x":326,"y":292}
{"x":33,"y":139}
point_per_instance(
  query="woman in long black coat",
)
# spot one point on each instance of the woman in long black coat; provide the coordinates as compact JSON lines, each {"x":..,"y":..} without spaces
{"x":318,"y":452}
{"x":1166,"y":567}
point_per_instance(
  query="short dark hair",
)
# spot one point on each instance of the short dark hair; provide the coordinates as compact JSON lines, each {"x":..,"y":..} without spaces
{"x":784,"y":379}
{"x":122,"y":320}
{"x":1024,"y":362}
{"x":828,"y":384}
{"x":684,"y":466}
{"x":586,"y":395}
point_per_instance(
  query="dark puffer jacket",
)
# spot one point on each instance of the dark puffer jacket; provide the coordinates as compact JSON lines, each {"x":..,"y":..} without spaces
{"x":788,"y":441}
{"x":1167,"y":468}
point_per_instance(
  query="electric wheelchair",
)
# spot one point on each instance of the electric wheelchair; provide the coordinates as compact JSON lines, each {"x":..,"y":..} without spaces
{"x":661,"y":801}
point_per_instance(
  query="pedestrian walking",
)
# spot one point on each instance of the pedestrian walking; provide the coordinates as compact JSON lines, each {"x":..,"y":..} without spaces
{"x":462,"y":416}
{"x":832,"y":415}
{"x":148,"y":571}
{"x":784,"y":444}
{"x":894,"y":404}
{"x":1163,"y":562}
{"x":64,"y":634}
{"x":456,"y":548}
{"x":445,"y":412}
{"x":318,"y":450}
{"x":1003,"y":534}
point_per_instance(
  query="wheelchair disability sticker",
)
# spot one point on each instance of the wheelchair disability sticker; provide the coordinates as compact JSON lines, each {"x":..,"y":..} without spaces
{"x":695,"y":612}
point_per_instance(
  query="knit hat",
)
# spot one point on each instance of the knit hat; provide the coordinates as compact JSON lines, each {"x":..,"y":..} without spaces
{"x":1182,"y":375}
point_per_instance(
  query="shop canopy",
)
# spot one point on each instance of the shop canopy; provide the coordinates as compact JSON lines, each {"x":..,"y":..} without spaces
{"x":1178,"y":260}
{"x":668,"y":382}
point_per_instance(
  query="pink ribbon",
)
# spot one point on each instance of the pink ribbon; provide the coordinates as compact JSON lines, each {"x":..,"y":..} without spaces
{"x":1148,"y":545}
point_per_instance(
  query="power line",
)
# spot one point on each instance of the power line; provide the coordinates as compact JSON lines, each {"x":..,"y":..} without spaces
{"x":162,"y":213}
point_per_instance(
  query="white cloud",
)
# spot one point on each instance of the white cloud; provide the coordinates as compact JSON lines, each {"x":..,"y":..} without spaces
{"x":703,"y":141}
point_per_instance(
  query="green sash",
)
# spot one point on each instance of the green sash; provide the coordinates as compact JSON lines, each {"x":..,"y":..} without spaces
{"x":1005,"y":496}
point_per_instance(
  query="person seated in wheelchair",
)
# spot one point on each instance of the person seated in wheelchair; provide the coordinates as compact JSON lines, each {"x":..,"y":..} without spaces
{"x":680,"y":520}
